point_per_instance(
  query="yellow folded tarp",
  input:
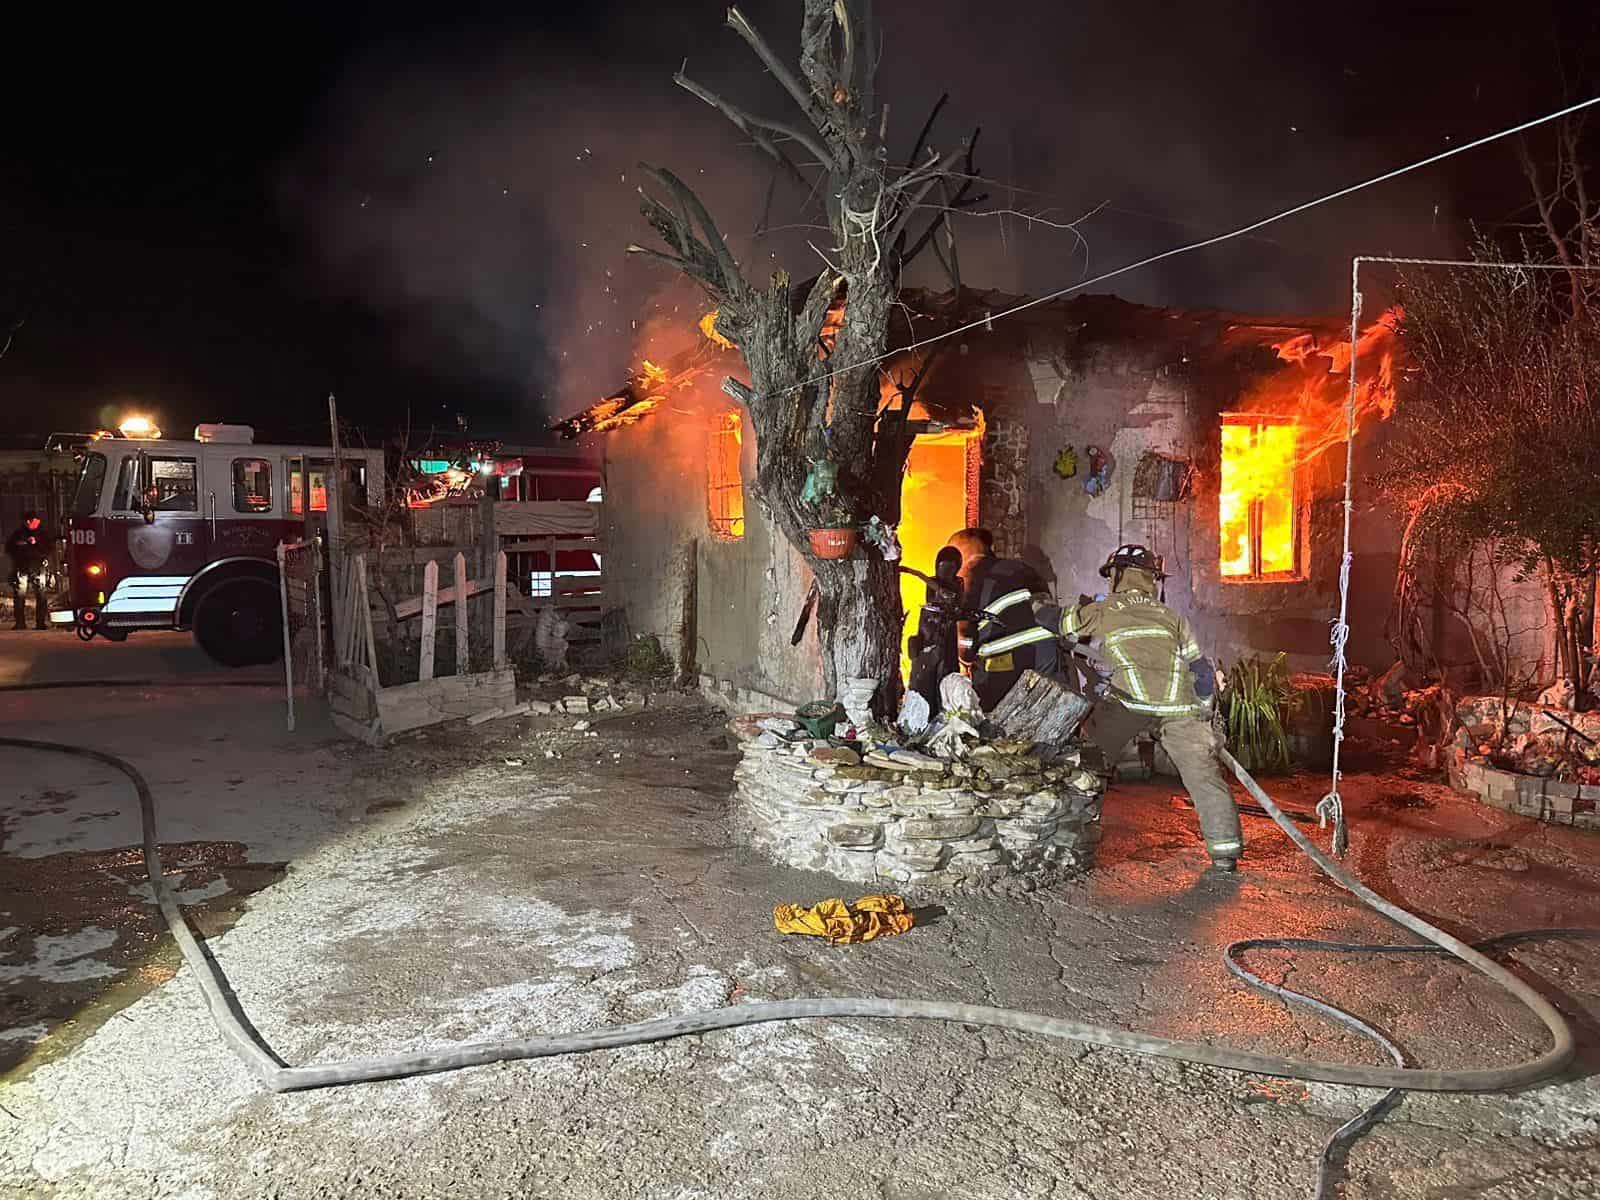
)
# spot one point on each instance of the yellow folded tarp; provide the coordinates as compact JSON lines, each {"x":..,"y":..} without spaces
{"x":867,"y":918}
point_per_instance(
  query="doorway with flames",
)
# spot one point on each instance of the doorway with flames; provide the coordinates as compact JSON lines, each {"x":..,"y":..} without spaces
{"x":939,"y":496}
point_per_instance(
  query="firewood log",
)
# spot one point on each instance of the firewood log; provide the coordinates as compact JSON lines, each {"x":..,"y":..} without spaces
{"x":1040,"y":710}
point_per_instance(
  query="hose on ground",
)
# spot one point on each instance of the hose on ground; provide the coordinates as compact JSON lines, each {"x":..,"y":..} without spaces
{"x":107,"y":684}
{"x":277,"y":1076}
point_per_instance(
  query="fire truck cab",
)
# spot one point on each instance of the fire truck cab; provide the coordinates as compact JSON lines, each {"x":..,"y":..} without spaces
{"x":172,"y":534}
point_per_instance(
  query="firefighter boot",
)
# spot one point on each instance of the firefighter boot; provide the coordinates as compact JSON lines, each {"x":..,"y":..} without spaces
{"x":1192,"y":744}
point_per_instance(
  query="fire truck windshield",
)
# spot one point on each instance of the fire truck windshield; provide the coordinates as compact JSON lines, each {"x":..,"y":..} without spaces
{"x":90,"y":482}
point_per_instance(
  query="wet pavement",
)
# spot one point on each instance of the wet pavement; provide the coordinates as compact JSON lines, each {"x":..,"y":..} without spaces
{"x":79,"y":937}
{"x":486,"y":890}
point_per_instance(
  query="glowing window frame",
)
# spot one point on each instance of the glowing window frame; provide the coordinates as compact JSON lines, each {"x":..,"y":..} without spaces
{"x":725,"y":474}
{"x":1298,"y":571}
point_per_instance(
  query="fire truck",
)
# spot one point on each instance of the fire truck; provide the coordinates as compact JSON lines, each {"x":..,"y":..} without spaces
{"x":172,"y":534}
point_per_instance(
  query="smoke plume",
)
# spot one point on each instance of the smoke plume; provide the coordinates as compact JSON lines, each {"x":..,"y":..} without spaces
{"x":483,"y":191}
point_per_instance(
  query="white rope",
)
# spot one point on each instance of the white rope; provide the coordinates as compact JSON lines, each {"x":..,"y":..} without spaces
{"x":1331,"y":807}
{"x":989,"y":318}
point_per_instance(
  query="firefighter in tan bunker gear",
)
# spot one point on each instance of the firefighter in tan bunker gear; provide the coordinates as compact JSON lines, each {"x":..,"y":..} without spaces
{"x":1159,"y":682}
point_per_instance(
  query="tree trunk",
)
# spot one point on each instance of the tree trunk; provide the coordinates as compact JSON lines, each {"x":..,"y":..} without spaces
{"x":816,"y":398}
{"x":1565,"y":667}
{"x":859,"y":624}
{"x":1585,"y":638}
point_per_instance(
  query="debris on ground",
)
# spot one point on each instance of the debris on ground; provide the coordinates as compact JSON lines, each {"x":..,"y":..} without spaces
{"x":845,"y":924}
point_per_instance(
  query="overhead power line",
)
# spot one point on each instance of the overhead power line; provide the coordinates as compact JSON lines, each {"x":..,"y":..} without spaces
{"x":1217,"y":239}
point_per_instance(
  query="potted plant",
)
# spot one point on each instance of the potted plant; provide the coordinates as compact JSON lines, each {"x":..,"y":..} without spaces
{"x":835,"y":533}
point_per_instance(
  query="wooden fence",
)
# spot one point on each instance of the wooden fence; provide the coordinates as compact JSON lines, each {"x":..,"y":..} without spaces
{"x":363,"y":705}
{"x":383,"y":609}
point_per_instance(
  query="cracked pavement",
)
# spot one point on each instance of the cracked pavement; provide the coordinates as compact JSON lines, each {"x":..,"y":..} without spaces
{"x":474,"y":900}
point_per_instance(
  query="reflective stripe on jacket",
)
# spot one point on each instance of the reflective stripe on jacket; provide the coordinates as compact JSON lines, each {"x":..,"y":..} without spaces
{"x":1002,"y":590}
{"x":1144,"y":644}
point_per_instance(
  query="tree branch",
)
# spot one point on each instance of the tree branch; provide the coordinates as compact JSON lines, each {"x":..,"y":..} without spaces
{"x":809,"y":104}
{"x":816,"y":58}
{"x":1546,"y":203}
{"x":754,"y":127}
{"x":906,"y":257}
{"x":1572,"y":134}
{"x":735,"y":285}
{"x":742,"y":392}
{"x":925,"y":186}
{"x":11,"y":335}
{"x":670,"y":260}
{"x":864,"y":67}
{"x":693,"y":257}
{"x":927,"y":128}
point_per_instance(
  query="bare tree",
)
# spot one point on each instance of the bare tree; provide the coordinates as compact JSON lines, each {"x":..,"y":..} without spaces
{"x":1499,"y":431}
{"x":816,"y":392}
{"x":1568,"y":205}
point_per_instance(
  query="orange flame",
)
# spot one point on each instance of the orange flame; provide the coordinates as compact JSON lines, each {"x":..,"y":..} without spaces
{"x":1288,"y":421}
{"x":619,"y":411}
{"x":1316,"y":395}
{"x":1256,"y":500}
{"x":708,"y":327}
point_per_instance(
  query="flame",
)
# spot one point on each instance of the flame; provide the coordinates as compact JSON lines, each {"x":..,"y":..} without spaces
{"x":137,"y":426}
{"x":1287,"y":422}
{"x":708,"y":327}
{"x":1316,"y":395}
{"x":938,"y":496}
{"x":1256,"y":496}
{"x":724,"y":474}
{"x":618,"y":411}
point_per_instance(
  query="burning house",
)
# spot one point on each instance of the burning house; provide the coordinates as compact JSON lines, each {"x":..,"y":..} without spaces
{"x":1217,"y":440}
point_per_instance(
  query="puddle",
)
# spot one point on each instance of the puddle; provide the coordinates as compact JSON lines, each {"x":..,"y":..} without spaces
{"x":79,"y":940}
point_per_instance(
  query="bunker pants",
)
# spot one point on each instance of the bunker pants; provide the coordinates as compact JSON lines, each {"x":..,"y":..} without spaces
{"x":1192,"y":745}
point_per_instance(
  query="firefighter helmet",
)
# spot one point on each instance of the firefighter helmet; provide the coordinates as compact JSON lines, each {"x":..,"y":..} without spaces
{"x":1136,"y":558}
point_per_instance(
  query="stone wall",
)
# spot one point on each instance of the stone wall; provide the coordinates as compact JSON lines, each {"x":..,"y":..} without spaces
{"x":1534,"y":736}
{"x":1550,"y":800}
{"x":976,"y":821}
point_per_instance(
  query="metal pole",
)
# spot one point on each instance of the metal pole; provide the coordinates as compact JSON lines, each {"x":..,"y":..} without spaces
{"x":315,"y":587}
{"x":288,"y":652}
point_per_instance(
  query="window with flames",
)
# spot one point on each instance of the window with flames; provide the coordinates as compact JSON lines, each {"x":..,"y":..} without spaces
{"x":724,"y":483}
{"x":1257,"y":508}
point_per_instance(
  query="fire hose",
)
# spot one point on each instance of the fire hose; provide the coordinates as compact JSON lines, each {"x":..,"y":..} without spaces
{"x":277,"y":1076}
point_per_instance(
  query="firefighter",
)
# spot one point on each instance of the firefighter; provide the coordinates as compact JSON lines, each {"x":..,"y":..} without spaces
{"x":998,"y":638}
{"x":28,"y":548}
{"x":1159,"y":682}
{"x":932,"y":648}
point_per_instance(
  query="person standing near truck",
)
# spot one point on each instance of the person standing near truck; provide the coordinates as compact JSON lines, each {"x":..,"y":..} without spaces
{"x":29,"y":549}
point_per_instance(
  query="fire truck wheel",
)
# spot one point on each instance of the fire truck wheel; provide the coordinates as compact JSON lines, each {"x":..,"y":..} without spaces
{"x":239,"y":623}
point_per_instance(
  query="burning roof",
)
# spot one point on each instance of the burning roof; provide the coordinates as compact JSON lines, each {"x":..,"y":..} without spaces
{"x":1072,"y":328}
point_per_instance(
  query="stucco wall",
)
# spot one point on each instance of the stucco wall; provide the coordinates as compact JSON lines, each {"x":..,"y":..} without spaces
{"x":1114,"y":376}
{"x":651,"y":513}
{"x":1129,"y":406}
{"x":747,"y":593}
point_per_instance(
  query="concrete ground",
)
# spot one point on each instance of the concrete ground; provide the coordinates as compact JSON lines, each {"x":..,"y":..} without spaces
{"x":527,"y":877}
{"x":240,"y":796}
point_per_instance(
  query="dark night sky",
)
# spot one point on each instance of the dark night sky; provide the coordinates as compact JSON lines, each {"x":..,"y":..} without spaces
{"x":423,"y":207}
